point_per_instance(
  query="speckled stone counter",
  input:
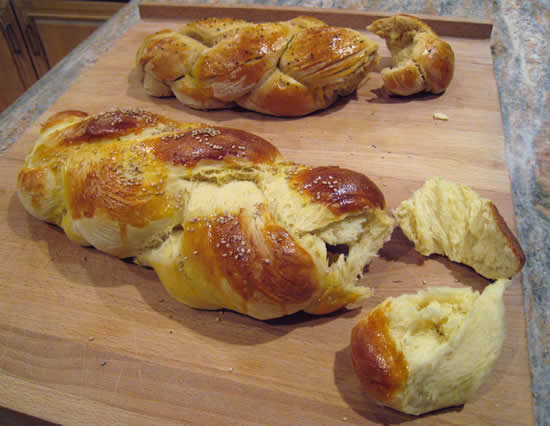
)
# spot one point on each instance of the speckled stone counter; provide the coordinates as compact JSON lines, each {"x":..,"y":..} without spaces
{"x":521,"y":57}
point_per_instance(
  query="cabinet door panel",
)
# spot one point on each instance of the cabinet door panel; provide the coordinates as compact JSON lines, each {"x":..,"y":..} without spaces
{"x":59,"y":37}
{"x":16,"y":70}
{"x":11,"y":86}
{"x":53,"y":28}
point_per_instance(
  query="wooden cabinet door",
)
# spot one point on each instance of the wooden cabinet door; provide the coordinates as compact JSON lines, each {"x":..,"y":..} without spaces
{"x":53,"y":28}
{"x":16,"y":71}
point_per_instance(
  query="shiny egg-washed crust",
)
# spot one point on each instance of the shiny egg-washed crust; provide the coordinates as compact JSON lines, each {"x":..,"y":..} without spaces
{"x":378,"y":363}
{"x":421,"y":61}
{"x":222,"y":217}
{"x":287,"y":68}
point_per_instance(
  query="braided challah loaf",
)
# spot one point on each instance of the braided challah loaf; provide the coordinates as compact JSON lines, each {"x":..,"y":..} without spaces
{"x":286,"y":69}
{"x":222,"y":217}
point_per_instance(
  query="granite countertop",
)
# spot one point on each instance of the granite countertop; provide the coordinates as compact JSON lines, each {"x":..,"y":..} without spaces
{"x":521,"y":56}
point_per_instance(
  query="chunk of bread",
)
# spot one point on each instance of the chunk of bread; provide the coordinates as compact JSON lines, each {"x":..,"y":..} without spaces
{"x":431,"y":350}
{"x":223,"y":218}
{"x":448,"y":218}
{"x":421,"y":61}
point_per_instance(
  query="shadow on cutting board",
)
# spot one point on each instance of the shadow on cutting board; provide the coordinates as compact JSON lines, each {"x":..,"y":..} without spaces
{"x":400,"y":249}
{"x":15,"y":418}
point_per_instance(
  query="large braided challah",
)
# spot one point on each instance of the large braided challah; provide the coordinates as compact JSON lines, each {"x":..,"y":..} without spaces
{"x":286,"y":69}
{"x":222,"y":217}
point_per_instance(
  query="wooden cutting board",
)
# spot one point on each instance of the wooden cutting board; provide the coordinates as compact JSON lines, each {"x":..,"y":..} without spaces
{"x":86,"y":337}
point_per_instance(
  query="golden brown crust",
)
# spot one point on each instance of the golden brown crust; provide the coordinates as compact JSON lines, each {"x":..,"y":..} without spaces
{"x":313,"y":50}
{"x":341,"y":190}
{"x":218,"y":63}
{"x":61,"y":117}
{"x":213,"y":143}
{"x":209,"y":30}
{"x":33,"y":182}
{"x":511,"y":239}
{"x":274,"y":264}
{"x":164,"y":52}
{"x":437,"y":61}
{"x":282,"y":95}
{"x":197,"y":96}
{"x":145,"y":52}
{"x":243,"y":58}
{"x":111,"y":124}
{"x":379,"y":365}
{"x":103,"y":189}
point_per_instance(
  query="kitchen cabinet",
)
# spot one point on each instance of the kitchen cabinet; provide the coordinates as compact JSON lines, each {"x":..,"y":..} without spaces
{"x":37,"y":34}
{"x":16,"y":71}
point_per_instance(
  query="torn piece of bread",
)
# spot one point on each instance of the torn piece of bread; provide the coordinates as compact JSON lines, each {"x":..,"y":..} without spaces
{"x":221,"y":216}
{"x":421,"y":61}
{"x":450,"y":219}
{"x":431,"y":350}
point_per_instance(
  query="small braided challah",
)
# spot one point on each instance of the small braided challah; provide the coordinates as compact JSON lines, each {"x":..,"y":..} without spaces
{"x":421,"y":61}
{"x":221,"y":216}
{"x":285,"y":69}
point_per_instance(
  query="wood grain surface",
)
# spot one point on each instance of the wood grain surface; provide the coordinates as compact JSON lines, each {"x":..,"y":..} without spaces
{"x":88,"y":338}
